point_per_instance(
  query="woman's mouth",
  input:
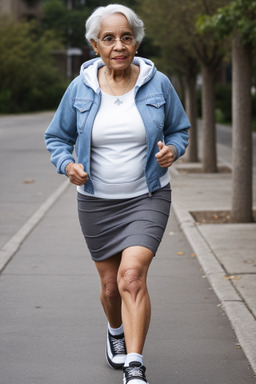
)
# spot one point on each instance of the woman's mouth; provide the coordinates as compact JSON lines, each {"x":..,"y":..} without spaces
{"x":119,"y":58}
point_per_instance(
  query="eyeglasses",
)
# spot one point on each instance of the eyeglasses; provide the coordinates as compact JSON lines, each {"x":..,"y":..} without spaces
{"x":109,"y":41}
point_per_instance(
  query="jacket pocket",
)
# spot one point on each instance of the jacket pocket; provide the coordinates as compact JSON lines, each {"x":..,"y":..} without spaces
{"x":82,"y":108}
{"x":156,"y":107}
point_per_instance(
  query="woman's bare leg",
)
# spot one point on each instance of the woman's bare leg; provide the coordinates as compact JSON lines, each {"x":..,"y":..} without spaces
{"x":109,"y":296}
{"x":136,"y":308}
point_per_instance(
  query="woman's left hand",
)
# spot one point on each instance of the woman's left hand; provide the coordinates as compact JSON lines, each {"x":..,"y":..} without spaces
{"x":165,"y":156}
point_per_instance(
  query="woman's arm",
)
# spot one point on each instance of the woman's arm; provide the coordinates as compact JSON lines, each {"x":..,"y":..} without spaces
{"x":60,"y":136}
{"x":176,"y":127}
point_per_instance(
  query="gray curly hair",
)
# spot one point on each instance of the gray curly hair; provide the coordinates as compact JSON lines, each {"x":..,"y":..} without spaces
{"x":93,"y":23}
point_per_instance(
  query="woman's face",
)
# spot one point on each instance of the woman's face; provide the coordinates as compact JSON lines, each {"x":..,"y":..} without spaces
{"x":117,"y":57}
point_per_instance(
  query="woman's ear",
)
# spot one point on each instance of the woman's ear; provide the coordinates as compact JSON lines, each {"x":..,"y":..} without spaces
{"x":94,"y":45}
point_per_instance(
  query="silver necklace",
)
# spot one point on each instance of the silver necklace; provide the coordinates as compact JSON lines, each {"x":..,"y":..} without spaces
{"x":118,"y":101}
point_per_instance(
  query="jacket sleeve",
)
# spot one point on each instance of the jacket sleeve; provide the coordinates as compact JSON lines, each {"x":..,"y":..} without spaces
{"x":60,"y":136}
{"x":176,"y":122}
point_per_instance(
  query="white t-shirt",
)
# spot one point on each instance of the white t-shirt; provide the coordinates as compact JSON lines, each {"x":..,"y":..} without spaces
{"x":119,"y":150}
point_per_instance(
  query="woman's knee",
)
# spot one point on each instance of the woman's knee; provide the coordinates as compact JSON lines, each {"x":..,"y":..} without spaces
{"x":131,"y":281}
{"x":132,"y":274}
{"x":110,"y":289}
{"x":108,"y":270}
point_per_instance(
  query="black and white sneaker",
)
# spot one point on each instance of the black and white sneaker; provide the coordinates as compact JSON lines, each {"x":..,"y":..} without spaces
{"x":134,"y":374}
{"x":115,"y":351}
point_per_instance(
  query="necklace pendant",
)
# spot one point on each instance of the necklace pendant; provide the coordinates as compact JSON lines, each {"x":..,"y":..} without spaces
{"x":118,"y":101}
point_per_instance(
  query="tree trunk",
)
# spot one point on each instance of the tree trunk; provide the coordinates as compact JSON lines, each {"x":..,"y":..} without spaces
{"x":191,"y":109}
{"x":242,"y":131}
{"x":209,"y":158}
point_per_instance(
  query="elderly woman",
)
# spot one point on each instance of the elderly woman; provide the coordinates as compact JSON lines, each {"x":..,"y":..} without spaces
{"x":128,"y":126}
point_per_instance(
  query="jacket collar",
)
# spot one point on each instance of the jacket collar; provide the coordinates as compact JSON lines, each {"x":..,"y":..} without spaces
{"x":89,"y":72}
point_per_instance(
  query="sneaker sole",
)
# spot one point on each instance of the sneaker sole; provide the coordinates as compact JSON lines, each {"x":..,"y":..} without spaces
{"x":125,"y":382}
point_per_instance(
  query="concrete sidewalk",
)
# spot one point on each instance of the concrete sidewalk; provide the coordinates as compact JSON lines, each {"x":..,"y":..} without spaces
{"x":53,"y":329}
{"x":226,"y":252}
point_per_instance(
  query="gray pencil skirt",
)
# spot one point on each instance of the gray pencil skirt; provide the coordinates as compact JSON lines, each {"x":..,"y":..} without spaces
{"x":110,"y":226}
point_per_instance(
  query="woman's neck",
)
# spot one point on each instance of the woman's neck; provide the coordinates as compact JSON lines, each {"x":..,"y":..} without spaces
{"x":118,"y":76}
{"x":116,"y":82}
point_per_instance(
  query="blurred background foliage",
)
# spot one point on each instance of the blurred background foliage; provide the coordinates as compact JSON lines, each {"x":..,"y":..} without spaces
{"x":33,"y":53}
{"x":31,"y":80}
{"x":189,"y":35}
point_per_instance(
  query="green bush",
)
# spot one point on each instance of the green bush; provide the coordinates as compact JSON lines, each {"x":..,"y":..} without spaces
{"x":30,"y":80}
{"x":254,"y":112}
{"x":223,"y":103}
{"x":199,"y":102}
{"x":220,"y":117}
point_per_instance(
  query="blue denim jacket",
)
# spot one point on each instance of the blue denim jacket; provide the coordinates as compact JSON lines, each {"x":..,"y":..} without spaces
{"x":157,"y":102}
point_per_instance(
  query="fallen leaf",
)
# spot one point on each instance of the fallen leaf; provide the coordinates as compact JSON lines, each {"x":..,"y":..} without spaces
{"x":28,"y":181}
{"x":180,"y":253}
{"x":249,"y":261}
{"x":232,"y":277}
{"x":193,"y":255}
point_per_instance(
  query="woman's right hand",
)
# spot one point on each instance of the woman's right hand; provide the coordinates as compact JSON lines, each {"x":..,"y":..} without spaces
{"x":76,"y":173}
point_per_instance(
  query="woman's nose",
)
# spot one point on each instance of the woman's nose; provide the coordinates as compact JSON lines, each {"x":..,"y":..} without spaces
{"x":119,"y":44}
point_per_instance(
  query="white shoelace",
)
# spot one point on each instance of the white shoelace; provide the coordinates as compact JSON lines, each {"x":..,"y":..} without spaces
{"x":118,"y":345}
{"x":135,"y":372}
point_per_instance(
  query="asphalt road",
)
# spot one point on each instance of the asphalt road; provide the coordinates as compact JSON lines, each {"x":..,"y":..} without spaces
{"x":26,"y":177}
{"x":224,"y":140}
{"x":52,"y":328}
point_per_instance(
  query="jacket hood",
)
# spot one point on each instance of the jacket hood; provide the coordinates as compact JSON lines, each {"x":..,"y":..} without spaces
{"x":89,"y":72}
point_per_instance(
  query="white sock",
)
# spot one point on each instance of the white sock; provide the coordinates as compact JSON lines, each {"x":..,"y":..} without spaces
{"x":133,"y":357}
{"x":116,"y":331}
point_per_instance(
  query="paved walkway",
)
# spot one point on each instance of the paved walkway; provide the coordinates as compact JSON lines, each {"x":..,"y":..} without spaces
{"x":225,"y":251}
{"x":52,"y":327}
